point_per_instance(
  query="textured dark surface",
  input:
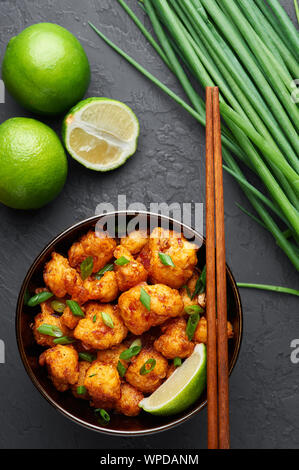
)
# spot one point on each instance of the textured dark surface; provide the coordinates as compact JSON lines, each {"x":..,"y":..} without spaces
{"x":168,"y":166}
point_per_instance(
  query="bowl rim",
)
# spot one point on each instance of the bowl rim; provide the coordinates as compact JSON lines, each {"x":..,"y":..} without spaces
{"x":40,"y":388}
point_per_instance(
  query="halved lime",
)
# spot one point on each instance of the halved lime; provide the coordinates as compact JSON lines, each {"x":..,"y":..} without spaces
{"x":183,"y":387}
{"x":101,"y":133}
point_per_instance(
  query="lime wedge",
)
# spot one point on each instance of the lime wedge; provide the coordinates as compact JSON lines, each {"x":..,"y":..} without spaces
{"x":183,"y":387}
{"x":101,"y":133}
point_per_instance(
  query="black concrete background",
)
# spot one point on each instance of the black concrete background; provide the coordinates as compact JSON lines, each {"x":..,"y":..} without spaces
{"x":168,"y":166}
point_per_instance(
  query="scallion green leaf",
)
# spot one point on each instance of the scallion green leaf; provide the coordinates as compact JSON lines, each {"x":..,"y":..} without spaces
{"x":39,"y":298}
{"x":122,"y":261}
{"x":188,"y":291}
{"x":86,"y":267}
{"x":144,"y":370}
{"x":103,"y":414}
{"x":191,"y":325}
{"x":50,"y":330}
{"x":296,"y":9}
{"x":105,"y":269}
{"x":87,"y":357}
{"x":58,"y":306}
{"x":136,"y":342}
{"x":129,"y":353}
{"x":64,"y":340}
{"x":200,"y":285}
{"x":282,"y":290}
{"x":166,"y":259}
{"x":121,"y":369}
{"x":107,"y":319}
{"x":94,"y":318}
{"x":145,"y":299}
{"x":81,"y":390}
{"x":75,"y":308}
{"x":177,"y":362}
{"x":191,"y":309}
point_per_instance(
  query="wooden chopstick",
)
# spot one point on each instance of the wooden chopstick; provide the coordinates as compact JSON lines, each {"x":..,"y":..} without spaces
{"x":211,"y":279}
{"x":222,"y":346}
{"x":217,"y":348}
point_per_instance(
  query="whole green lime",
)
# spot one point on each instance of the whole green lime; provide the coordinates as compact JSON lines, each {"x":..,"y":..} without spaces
{"x":46,"y":69}
{"x":33,"y":164}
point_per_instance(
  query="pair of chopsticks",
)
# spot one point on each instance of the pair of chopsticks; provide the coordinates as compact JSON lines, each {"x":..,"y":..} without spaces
{"x":217,"y":347}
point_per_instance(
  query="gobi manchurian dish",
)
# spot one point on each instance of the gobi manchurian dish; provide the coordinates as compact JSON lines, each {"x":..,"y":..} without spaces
{"x":118,"y":316}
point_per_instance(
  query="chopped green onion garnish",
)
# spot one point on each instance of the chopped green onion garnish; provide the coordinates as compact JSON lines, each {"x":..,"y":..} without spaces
{"x":39,"y":298}
{"x":188,"y":291}
{"x":86,"y":267}
{"x":107,"y":319}
{"x":136,"y":342}
{"x":104,"y":415}
{"x":166,"y":259}
{"x":63,"y":340}
{"x":50,"y":330}
{"x":105,"y":269}
{"x":75,"y":308}
{"x":144,"y":370}
{"x":145,"y":299}
{"x":128,"y":353}
{"x":177,"y":362}
{"x":200,"y":285}
{"x":197,"y":289}
{"x":122,"y":261}
{"x":87,"y":357}
{"x":81,"y":390}
{"x":92,"y":375}
{"x":58,"y":306}
{"x":94,"y":318}
{"x":193,"y":309}
{"x":121,"y":369}
{"x":191,"y":325}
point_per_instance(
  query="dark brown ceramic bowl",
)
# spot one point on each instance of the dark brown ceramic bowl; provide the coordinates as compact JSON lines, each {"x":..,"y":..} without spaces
{"x":79,"y":410}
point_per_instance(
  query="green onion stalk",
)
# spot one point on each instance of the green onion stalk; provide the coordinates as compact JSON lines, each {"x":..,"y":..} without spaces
{"x":261,"y":123}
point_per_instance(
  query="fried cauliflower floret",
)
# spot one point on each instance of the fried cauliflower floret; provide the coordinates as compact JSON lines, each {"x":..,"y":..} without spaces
{"x":62,"y":364}
{"x":55,"y":274}
{"x":174,"y":342}
{"x":130,"y":274}
{"x":189,"y":288}
{"x":144,"y":257}
{"x":104,"y":289}
{"x":47,"y":317}
{"x":164,"y":304}
{"x":83,"y":368}
{"x":101,"y":249}
{"x":68,"y":319}
{"x":149,"y":382}
{"x":182,"y":253}
{"x":62,"y":279}
{"x":129,"y":399}
{"x":111,"y":356}
{"x":135,"y":241}
{"x":103,"y":384}
{"x":94,"y":333}
{"x":201,"y":332}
